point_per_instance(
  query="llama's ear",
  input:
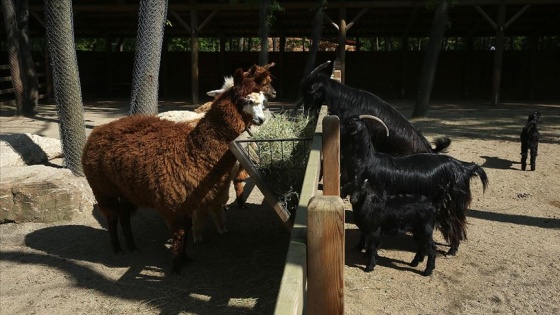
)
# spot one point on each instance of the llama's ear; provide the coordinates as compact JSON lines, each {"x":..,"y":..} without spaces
{"x":238,"y":77}
{"x":215,"y":93}
{"x":262,"y":77}
{"x":252,"y":70}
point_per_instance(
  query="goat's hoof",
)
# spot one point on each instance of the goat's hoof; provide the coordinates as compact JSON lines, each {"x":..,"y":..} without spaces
{"x":451,"y":252}
{"x":414,"y":263}
{"x":369,"y":269}
{"x":427,"y":273}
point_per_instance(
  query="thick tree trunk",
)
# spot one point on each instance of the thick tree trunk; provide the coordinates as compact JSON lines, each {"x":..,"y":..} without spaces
{"x":430,"y":60}
{"x":315,"y":39}
{"x":66,"y":81}
{"x":263,"y":31}
{"x":145,"y":77}
{"x":29,"y":76}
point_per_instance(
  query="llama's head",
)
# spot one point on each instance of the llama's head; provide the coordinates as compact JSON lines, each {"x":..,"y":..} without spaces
{"x":313,"y":88}
{"x":266,"y":85}
{"x":250,"y":99}
{"x":254,"y":71}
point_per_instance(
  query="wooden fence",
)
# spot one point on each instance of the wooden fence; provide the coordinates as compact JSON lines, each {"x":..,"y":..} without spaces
{"x":7,"y":92}
{"x":313,"y":279}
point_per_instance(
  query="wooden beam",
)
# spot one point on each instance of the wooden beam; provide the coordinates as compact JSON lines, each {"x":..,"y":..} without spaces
{"x":356,"y":18}
{"x":207,"y":20}
{"x":181,"y":21}
{"x":331,"y":156}
{"x":517,"y":15}
{"x":486,"y":17}
{"x":296,"y":5}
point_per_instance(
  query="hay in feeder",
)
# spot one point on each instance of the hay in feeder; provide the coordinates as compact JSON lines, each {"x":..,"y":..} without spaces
{"x":281,"y":152}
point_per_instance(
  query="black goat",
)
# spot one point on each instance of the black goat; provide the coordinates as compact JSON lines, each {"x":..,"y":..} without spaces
{"x":413,"y":174}
{"x":376,"y":214}
{"x":530,"y":140}
{"x":344,"y":101}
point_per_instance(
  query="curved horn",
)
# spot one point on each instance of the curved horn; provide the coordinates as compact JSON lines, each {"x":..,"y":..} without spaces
{"x":377,"y":119}
{"x":319,"y":68}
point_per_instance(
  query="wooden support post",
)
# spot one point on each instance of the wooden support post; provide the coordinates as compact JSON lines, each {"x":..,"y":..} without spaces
{"x":194,"y":56}
{"x":498,"y":55}
{"x":325,"y":266}
{"x":325,"y":231}
{"x":331,"y":156}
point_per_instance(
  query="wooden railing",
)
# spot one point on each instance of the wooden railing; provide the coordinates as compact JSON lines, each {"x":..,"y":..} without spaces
{"x":313,"y":279}
{"x":7,"y":96}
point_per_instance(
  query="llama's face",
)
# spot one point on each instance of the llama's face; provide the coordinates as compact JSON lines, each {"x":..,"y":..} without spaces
{"x":254,"y":106}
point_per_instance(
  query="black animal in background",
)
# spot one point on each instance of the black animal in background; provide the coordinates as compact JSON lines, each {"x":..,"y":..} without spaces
{"x":530,"y":140}
{"x":376,"y":214}
{"x":419,"y":174}
{"x":344,"y":101}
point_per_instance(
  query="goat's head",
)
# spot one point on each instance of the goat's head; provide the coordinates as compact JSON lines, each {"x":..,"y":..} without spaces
{"x":534,"y":117}
{"x":313,"y":88}
{"x":360,"y":191}
{"x":250,"y":98}
{"x":355,"y":124}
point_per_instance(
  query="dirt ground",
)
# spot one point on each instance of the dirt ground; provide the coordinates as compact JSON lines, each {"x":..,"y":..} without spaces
{"x":509,"y":265}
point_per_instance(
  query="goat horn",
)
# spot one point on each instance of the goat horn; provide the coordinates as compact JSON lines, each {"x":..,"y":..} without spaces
{"x":377,"y":119}
{"x":319,"y":68}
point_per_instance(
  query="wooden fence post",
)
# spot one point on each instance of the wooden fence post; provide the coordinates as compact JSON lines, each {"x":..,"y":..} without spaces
{"x":325,"y":232}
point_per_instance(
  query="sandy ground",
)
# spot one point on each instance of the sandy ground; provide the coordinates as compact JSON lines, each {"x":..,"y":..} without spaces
{"x":509,"y":265}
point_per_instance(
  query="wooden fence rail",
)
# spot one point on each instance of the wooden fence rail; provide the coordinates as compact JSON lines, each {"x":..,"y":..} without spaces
{"x":313,"y":280}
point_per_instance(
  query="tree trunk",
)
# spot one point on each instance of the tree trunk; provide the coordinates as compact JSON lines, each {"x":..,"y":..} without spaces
{"x":145,"y":76}
{"x":264,"y":25}
{"x":66,"y":81}
{"x":315,"y":38}
{"x":430,"y":60}
{"x":10,"y":22}
{"x":28,"y":74}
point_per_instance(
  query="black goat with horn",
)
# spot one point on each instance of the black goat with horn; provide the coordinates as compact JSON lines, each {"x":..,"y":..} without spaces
{"x":344,"y":101}
{"x":417,"y":174}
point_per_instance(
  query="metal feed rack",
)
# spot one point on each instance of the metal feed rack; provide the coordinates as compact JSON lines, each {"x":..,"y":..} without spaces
{"x":249,"y":152}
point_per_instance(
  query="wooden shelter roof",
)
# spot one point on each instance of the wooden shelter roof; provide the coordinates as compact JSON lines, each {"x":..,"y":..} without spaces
{"x":396,"y":18}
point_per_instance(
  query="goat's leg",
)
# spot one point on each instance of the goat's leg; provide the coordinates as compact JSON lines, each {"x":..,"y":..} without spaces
{"x":524,"y":161}
{"x":431,"y":251}
{"x":372,"y":252}
{"x":361,"y":243}
{"x":524,"y":150}
{"x":534,"y":149}
{"x":126,"y":211}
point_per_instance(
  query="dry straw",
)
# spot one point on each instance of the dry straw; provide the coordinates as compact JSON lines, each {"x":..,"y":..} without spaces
{"x":281,"y":157}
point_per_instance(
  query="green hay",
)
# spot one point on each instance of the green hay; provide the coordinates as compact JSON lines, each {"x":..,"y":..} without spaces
{"x":282,"y":163}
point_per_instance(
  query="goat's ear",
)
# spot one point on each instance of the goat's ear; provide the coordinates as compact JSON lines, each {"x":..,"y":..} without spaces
{"x":238,"y":77}
{"x":315,"y":87}
{"x":268,"y":66}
